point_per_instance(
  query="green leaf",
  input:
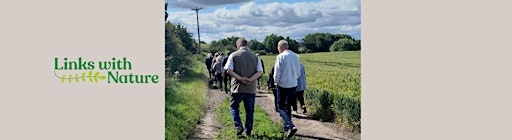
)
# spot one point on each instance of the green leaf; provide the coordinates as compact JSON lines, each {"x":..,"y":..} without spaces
{"x":90,"y":76}
{"x":76,"y":77}
{"x":69,"y":78}
{"x":62,"y":79}
{"x":103,"y":77}
{"x":83,"y":77}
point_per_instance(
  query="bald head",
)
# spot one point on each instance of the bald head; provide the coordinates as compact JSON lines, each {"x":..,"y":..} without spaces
{"x":282,"y":45}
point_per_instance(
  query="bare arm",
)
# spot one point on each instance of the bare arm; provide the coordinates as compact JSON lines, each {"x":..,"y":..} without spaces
{"x":255,"y":76}
{"x":234,"y":75}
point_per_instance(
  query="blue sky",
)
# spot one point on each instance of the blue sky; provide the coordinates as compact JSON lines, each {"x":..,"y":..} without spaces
{"x":255,"y":19}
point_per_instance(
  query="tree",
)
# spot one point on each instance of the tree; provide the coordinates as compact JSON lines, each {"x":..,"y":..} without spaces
{"x":223,"y":45}
{"x":177,"y":55}
{"x":321,"y":42}
{"x":186,"y":38}
{"x":292,"y":45}
{"x":255,"y":45}
{"x":270,"y":43}
{"x":344,"y":44}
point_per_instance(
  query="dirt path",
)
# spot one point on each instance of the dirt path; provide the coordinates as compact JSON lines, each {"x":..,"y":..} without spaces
{"x":308,"y":128}
{"x":209,"y":125}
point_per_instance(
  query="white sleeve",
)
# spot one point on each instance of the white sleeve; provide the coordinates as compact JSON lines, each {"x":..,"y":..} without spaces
{"x":259,"y":67}
{"x":298,"y":70}
{"x":277,"y":70}
{"x":229,"y":64}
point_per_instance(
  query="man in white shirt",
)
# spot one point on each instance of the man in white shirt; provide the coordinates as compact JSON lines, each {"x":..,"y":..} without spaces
{"x":286,"y":73}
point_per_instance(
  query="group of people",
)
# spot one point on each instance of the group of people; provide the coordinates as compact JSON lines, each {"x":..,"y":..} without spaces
{"x":215,"y":65}
{"x":287,"y":79}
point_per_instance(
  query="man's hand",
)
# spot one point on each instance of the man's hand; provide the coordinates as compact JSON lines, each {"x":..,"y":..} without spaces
{"x":245,"y":80}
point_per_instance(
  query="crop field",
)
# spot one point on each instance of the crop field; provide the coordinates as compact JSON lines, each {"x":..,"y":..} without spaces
{"x":333,"y":85}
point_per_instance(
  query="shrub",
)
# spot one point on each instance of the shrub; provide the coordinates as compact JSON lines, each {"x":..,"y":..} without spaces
{"x":344,"y":45}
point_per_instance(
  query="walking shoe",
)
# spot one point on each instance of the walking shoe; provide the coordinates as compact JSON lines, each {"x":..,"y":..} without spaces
{"x":239,"y":131}
{"x":248,"y":133}
{"x":291,"y":132}
{"x":304,"y":109}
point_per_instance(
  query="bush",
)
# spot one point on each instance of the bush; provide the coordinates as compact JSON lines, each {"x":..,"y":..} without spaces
{"x":261,"y":52}
{"x":344,"y":44}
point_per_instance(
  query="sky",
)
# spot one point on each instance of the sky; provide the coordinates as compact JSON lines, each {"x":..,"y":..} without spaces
{"x":255,"y":19}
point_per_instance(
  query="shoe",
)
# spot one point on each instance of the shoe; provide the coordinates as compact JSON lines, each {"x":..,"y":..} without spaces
{"x":248,"y":134}
{"x":304,"y":109}
{"x":291,"y":132}
{"x":239,"y":131}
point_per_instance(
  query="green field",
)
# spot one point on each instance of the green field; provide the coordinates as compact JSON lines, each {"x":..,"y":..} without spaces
{"x":333,"y":81}
{"x":330,"y":71}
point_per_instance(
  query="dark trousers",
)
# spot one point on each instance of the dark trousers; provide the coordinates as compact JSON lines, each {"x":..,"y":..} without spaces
{"x":210,"y":73}
{"x":227,"y":82}
{"x":276,"y":99}
{"x":218,"y":78}
{"x":286,"y":99}
{"x":300,"y":97}
{"x":248,"y":99}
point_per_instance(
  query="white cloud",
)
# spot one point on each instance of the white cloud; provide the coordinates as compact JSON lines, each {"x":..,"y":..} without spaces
{"x":201,"y":3}
{"x":255,"y":21}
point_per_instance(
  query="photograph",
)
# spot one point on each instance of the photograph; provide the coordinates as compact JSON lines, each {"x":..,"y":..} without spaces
{"x":261,"y":69}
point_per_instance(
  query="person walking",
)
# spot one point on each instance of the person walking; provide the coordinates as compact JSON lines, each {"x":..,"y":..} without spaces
{"x":263,"y":66}
{"x":244,"y":68}
{"x":271,"y":85}
{"x":224,"y":73}
{"x":286,"y":73}
{"x":299,"y":92}
{"x":217,"y":67}
{"x":208,"y":63}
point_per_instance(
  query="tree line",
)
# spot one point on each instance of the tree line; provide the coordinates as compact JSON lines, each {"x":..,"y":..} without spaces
{"x":316,"y":42}
{"x":180,"y":45}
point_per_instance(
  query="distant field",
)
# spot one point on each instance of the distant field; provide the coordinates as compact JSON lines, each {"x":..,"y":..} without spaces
{"x":337,"y":72}
{"x":205,"y":46}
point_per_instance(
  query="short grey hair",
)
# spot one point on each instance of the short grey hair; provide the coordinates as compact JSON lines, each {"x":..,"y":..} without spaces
{"x":283,"y":44}
{"x":242,"y":42}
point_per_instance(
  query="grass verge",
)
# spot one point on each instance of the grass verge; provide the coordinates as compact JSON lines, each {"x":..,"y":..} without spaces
{"x":184,"y":103}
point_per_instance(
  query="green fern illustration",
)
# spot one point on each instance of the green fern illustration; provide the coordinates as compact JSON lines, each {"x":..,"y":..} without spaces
{"x":92,"y":78}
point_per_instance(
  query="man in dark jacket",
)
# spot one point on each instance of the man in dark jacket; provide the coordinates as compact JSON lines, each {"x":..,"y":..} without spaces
{"x":271,"y":85}
{"x":208,"y":63}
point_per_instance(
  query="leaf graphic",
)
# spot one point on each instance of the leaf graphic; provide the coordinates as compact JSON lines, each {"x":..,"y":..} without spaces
{"x":69,"y":78}
{"x":90,"y":76}
{"x":76,"y":77}
{"x":103,"y":77}
{"x":96,"y":76}
{"x":83,"y":77}
{"x":62,"y":79}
